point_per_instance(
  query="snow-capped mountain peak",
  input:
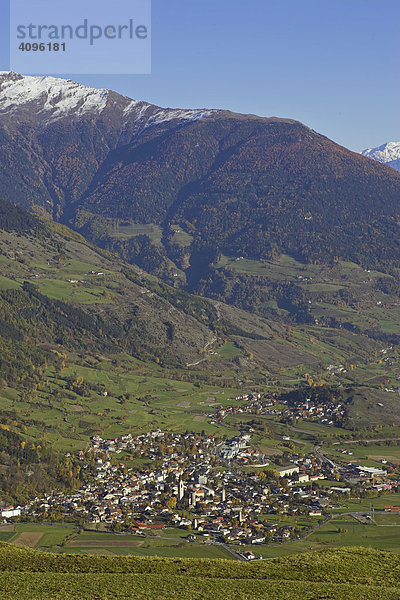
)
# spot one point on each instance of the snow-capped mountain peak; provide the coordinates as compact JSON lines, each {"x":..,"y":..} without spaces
{"x":388,"y":154}
{"x":57,"y":96}
{"x":53,"y":98}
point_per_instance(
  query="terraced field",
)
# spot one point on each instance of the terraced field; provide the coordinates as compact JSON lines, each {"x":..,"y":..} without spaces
{"x":356,"y":574}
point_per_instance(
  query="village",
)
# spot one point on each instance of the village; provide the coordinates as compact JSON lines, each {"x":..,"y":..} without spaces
{"x":217,"y":489}
{"x":326,"y":414}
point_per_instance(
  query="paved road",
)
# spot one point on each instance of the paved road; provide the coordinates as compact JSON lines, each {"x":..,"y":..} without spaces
{"x":323,"y":458}
{"x":308,"y":533}
{"x":233,"y":552}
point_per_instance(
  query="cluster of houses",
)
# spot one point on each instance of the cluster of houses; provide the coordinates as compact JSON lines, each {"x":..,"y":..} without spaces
{"x":197,"y":483}
{"x":336,"y":369}
{"x":327,"y":414}
{"x":193,"y":482}
{"x":368,"y":476}
{"x":256,"y":404}
{"x":240,"y":450}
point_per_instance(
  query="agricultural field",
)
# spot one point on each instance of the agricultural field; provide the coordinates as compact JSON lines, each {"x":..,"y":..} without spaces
{"x":150,"y":400}
{"x":347,"y":531}
{"x":126,"y":231}
{"x":6,"y":532}
{"x":304,"y":435}
{"x":180,"y":236}
{"x":229,"y":350}
{"x":285,"y":267}
{"x":364,"y":504}
{"x":40,"y":536}
{"x":359,"y":574}
{"x":339,"y":532}
{"x":145,"y":547}
{"x":7,"y":284}
{"x":343,"y":529}
{"x":387,"y":519}
{"x":68,"y":539}
{"x":140,"y":396}
{"x":368,"y":454}
{"x":361,"y":303}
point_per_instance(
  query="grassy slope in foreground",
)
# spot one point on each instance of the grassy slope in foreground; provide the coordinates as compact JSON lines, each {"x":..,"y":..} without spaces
{"x":356,"y":573}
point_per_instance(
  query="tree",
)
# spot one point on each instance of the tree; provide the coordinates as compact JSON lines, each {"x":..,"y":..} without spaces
{"x":171,"y":503}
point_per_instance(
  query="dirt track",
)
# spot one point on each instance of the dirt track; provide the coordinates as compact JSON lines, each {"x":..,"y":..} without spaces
{"x":105,"y":543}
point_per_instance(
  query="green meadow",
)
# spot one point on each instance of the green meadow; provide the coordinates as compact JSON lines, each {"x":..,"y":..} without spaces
{"x":138,"y":397}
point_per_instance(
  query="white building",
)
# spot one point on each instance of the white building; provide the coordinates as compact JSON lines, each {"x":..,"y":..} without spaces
{"x":287,"y":471}
{"x":10,"y":512}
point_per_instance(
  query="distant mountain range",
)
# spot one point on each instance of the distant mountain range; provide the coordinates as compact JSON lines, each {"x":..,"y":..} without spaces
{"x":388,"y":154}
{"x":232,"y":183}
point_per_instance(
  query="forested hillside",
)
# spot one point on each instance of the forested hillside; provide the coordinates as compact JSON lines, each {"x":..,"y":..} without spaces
{"x":238,"y":184}
{"x":254,"y":187}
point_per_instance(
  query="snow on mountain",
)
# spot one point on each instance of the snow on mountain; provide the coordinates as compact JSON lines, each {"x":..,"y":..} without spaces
{"x":62,"y":97}
{"x":58,"y":96}
{"x":388,"y":154}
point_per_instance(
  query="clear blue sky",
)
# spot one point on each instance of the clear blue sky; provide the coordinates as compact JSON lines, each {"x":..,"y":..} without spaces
{"x":332,"y":64}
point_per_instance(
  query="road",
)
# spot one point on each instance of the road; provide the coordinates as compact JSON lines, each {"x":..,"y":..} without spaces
{"x":210,"y":343}
{"x":323,"y":458}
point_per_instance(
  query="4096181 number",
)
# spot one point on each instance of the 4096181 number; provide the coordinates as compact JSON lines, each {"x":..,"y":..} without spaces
{"x":35,"y":47}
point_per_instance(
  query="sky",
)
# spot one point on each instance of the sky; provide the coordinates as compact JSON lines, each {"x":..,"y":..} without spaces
{"x":332,"y":64}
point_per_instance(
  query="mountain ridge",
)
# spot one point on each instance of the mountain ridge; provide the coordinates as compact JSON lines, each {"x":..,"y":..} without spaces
{"x":64,"y":96}
{"x":241,"y":184}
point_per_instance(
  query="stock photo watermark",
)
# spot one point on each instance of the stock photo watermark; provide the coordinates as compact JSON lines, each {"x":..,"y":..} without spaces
{"x":85,"y":36}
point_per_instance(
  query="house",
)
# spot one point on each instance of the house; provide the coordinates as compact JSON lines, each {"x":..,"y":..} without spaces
{"x":257,"y":539}
{"x":10,"y":511}
{"x":371,"y":471}
{"x":392,"y":509}
{"x":304,"y":478}
{"x":249,"y":555}
{"x":287,"y":471}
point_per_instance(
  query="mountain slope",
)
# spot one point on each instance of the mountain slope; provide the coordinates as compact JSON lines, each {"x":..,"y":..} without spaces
{"x":243,"y":184}
{"x":388,"y":154}
{"x":253,"y":187}
{"x":57,"y":288}
{"x":63,"y":293}
{"x":55,"y":133}
{"x":187,"y":194}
